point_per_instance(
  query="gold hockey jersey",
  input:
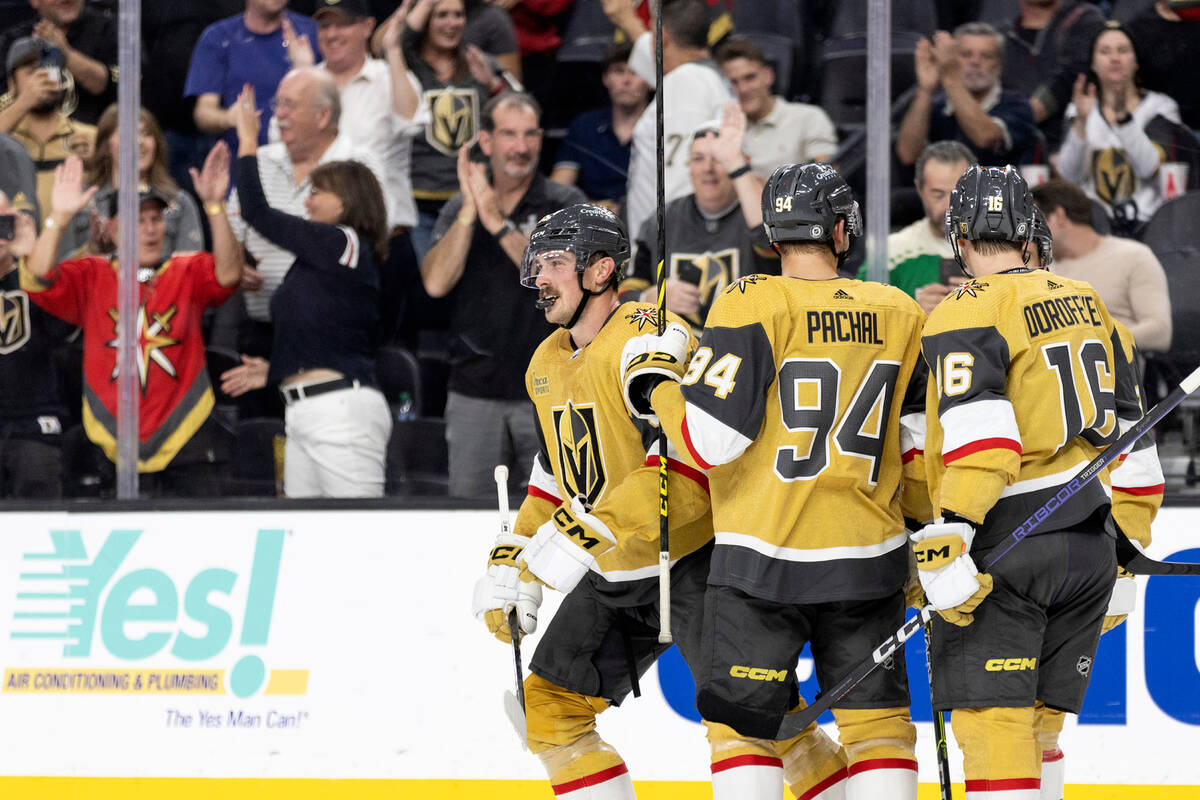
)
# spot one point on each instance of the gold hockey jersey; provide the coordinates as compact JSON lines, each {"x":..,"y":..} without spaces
{"x":794,"y":404}
{"x":1137,"y":481}
{"x":592,"y":446}
{"x":1028,"y":381}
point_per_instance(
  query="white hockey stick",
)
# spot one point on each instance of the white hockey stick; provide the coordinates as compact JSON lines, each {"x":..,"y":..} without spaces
{"x":514,"y":704}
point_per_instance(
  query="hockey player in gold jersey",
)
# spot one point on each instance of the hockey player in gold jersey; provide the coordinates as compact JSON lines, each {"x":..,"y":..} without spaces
{"x":804,"y":402}
{"x":1137,"y":490}
{"x":589,"y":525}
{"x":1029,"y":379}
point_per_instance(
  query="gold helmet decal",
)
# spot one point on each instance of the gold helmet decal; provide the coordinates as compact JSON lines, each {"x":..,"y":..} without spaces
{"x":14,"y":321}
{"x":455,"y":116}
{"x":1113,"y":175}
{"x":580,"y":455}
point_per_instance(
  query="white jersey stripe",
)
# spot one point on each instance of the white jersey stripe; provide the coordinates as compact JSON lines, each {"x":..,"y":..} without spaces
{"x":912,"y":432}
{"x":713,"y":441}
{"x":350,"y":254}
{"x":1047,"y":482}
{"x":814,"y":555}
{"x":543,"y":480}
{"x":977,"y":420}
{"x":1140,"y":469}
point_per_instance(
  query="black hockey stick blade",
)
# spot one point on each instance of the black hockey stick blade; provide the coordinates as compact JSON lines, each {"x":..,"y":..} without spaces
{"x":1137,"y":562}
{"x":794,"y":724}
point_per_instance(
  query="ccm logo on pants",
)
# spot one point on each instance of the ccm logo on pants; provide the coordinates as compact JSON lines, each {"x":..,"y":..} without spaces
{"x":759,"y":673}
{"x":1010,"y":664}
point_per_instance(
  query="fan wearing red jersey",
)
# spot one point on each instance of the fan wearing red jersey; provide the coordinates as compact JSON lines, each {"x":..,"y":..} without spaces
{"x":176,"y":396}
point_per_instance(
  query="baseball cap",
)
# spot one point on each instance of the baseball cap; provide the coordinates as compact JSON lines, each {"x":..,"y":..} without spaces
{"x":33,"y":49}
{"x":353,"y":9}
{"x":105,"y":200}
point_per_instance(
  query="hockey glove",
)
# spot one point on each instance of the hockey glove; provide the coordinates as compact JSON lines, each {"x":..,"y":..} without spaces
{"x":567,"y":546}
{"x":1121,"y":602}
{"x":501,"y":589}
{"x":953,"y":584}
{"x":647,"y":361}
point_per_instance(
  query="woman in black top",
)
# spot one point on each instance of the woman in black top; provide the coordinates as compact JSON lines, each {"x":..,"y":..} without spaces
{"x":456,"y":79}
{"x":326,"y":316}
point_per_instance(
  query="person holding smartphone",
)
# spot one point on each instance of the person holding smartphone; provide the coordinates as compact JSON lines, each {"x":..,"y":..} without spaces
{"x":1107,"y":150}
{"x":714,"y":234}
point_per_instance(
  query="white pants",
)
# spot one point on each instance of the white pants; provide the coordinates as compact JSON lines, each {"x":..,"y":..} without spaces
{"x":337,"y":444}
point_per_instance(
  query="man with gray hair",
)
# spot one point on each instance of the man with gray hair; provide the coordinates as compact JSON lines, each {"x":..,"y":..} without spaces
{"x":307,"y":110}
{"x":959,"y":97}
{"x":919,"y":259}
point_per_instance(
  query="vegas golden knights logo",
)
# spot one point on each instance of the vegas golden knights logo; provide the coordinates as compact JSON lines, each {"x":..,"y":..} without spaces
{"x":14,"y":321}
{"x":455,"y":113}
{"x":711,"y":272}
{"x":1113,"y":175}
{"x":580,"y":456}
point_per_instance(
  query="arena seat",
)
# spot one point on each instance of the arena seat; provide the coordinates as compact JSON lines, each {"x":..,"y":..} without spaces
{"x":400,"y":380}
{"x":418,"y":461}
{"x":252,"y":470}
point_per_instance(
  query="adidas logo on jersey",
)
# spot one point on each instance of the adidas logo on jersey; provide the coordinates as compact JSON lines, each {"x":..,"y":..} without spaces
{"x":1053,"y":285}
{"x":841,"y":294}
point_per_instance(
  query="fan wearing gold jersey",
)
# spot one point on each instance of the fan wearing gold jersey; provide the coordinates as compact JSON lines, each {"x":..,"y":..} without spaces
{"x":589,"y":525}
{"x":804,"y":402}
{"x":1029,"y":380}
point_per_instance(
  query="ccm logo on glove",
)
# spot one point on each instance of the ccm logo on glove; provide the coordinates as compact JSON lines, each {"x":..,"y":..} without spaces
{"x":937,"y":552}
{"x":568,"y":525}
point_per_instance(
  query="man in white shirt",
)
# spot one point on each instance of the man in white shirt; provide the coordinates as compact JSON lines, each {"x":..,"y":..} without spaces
{"x":364,"y":84}
{"x":777,"y":131}
{"x":307,"y":107}
{"x":693,"y":92}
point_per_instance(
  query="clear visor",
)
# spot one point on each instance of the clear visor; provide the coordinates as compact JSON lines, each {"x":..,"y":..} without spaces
{"x":553,"y":260}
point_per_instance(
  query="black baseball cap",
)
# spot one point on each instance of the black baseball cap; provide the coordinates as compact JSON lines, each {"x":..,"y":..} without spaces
{"x":352,"y":9}
{"x":105,"y":200}
{"x":33,"y":50}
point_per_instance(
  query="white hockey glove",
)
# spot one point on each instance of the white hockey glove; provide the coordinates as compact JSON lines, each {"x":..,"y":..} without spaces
{"x":500,"y":589}
{"x":953,"y":585}
{"x":1122,"y":601}
{"x":566,"y":547}
{"x":647,"y":361}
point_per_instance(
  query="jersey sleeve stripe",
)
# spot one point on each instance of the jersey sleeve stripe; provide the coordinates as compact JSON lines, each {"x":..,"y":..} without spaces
{"x":709,"y":440}
{"x":687,"y":440}
{"x":680,"y":468}
{"x":542,"y":483}
{"x":979,"y":446}
{"x":979,"y":421}
{"x":1139,"y":468}
{"x":350,"y":254}
{"x":912,"y":436}
{"x":536,"y":492}
{"x":1140,"y":491}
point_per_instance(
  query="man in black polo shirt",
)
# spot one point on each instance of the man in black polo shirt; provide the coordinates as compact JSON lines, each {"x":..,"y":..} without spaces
{"x":32,"y":412}
{"x":88,"y":39}
{"x":479,"y":240}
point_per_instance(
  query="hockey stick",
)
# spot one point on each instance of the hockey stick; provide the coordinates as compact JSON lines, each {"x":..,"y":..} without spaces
{"x":1138,"y":563}
{"x":939,"y":725}
{"x":793,"y":724}
{"x":664,"y":535}
{"x":514,"y":704}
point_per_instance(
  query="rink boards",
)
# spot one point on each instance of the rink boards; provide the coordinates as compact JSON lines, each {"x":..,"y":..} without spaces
{"x":333,"y":654}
